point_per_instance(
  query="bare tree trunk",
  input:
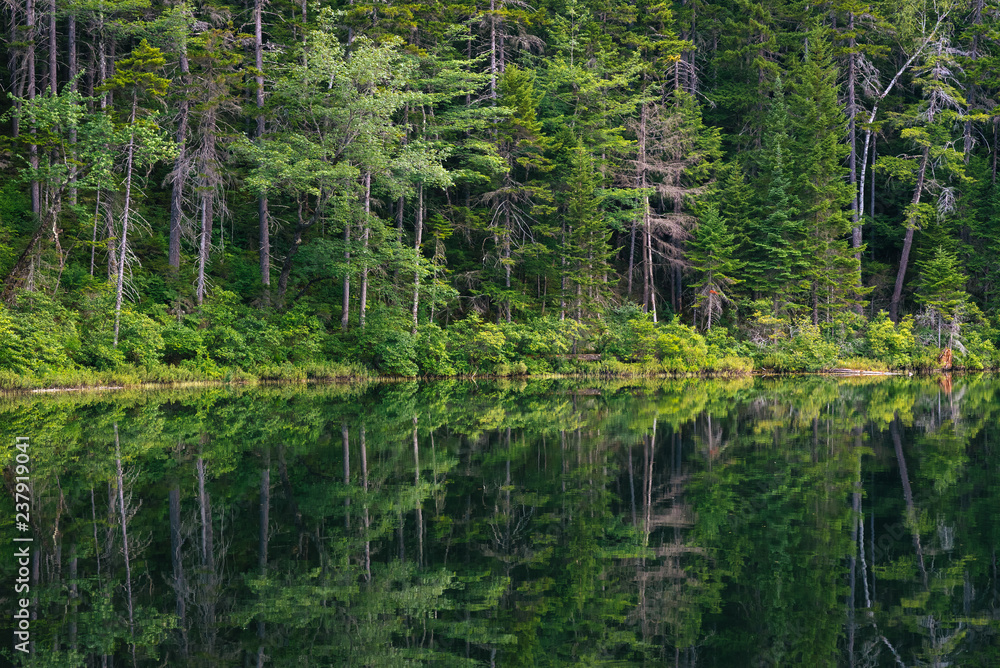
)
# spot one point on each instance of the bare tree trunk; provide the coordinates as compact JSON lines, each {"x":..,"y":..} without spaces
{"x":418,"y":238}
{"x":631,"y":259}
{"x":264,"y":232}
{"x":508,"y":231}
{"x":493,"y":51}
{"x":73,"y":71}
{"x":650,"y":288}
{"x":204,"y":247}
{"x":641,"y":168}
{"x":123,"y":249}
{"x":180,"y":165}
{"x":852,"y":141}
{"x":36,"y":207}
{"x":363,"y":297}
{"x":345,"y":313}
{"x":904,"y":258}
{"x":562,"y":274}
{"x":53,"y":51}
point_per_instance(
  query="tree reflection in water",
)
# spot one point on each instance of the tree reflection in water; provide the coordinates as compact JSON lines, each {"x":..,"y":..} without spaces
{"x":757,"y":522}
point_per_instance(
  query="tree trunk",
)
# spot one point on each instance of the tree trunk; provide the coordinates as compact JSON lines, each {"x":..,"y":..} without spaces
{"x":264,"y":232}
{"x":641,"y":179}
{"x":123,"y":248}
{"x":493,"y":51}
{"x":345,"y":313}
{"x":36,"y":207}
{"x":73,"y":71}
{"x":53,"y":51}
{"x":418,"y":238}
{"x":180,"y":165}
{"x":204,"y":246}
{"x":363,"y":297}
{"x":904,"y":257}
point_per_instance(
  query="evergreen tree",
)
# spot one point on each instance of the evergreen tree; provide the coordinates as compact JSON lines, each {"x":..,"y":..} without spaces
{"x":941,"y":289}
{"x":521,"y":195}
{"x":821,"y":185}
{"x":711,"y":252}
{"x":586,"y":247}
{"x":775,"y":264}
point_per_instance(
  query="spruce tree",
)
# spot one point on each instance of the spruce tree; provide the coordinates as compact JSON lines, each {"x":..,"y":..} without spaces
{"x":586,"y":244}
{"x":711,"y":253}
{"x":941,"y":289}
{"x":776,"y":267}
{"x":821,"y":181}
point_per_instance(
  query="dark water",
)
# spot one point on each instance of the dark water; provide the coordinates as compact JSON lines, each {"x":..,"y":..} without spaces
{"x":755,"y":522}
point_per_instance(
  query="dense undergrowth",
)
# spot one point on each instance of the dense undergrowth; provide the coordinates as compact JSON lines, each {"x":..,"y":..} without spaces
{"x":44,"y":343}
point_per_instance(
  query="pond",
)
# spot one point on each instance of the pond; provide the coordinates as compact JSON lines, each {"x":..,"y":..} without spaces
{"x":803,"y":521}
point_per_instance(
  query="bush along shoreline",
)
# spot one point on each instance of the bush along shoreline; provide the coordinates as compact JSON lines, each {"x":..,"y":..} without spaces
{"x":46,"y":344}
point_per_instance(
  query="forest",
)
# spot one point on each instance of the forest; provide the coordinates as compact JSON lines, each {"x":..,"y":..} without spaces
{"x":317,"y":190}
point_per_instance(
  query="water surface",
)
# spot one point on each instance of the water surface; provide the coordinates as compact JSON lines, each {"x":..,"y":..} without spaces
{"x":753,"y":522}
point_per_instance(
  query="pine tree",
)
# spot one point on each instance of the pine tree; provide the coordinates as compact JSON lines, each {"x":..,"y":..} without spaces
{"x":586,"y":246}
{"x":521,"y":195}
{"x":775,"y":265}
{"x":941,"y":289}
{"x":711,"y":253}
{"x":821,"y":180}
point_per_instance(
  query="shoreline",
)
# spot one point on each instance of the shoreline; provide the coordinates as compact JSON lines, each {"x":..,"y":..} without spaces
{"x":247,"y":380}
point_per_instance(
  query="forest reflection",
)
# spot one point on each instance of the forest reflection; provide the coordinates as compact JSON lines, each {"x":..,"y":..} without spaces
{"x":751,"y":522}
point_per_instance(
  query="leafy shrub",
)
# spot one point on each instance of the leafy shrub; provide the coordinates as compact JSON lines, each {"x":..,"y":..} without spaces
{"x":679,"y":347}
{"x":976,"y":353}
{"x":629,"y":335}
{"x":181,"y":343}
{"x":477,"y":346}
{"x":805,"y":350}
{"x":37,"y":334}
{"x":891,"y":344}
{"x":387,"y":345}
{"x":139,"y":338}
{"x":300,"y":336}
{"x":539,"y":342}
{"x":434,"y":359}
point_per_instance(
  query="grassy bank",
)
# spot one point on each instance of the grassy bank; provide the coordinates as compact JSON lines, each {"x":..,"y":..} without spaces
{"x":44,"y":344}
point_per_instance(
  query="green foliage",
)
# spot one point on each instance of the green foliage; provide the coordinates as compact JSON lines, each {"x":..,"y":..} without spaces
{"x":37,"y":335}
{"x":805,"y":350}
{"x":892,"y":344}
{"x":387,"y":345}
{"x":478,"y":347}
{"x":434,"y":358}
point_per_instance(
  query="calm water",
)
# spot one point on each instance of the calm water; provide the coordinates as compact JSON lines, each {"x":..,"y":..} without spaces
{"x":755,"y":522}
